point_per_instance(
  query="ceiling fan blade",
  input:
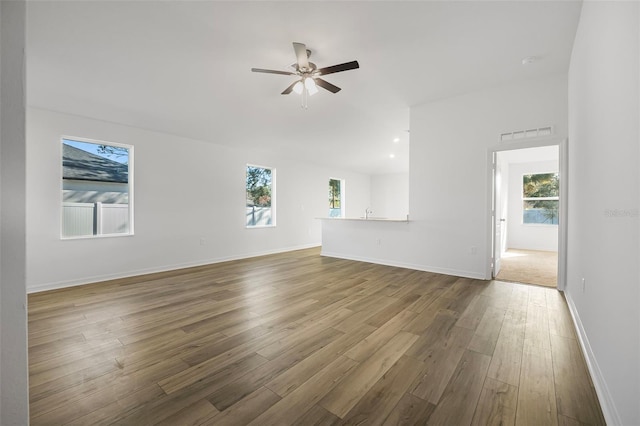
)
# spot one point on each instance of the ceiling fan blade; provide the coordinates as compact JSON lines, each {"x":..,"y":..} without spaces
{"x":326,"y":85}
{"x":301,"y":55}
{"x":289,"y":89}
{"x":338,"y":68}
{"x":272,"y":71}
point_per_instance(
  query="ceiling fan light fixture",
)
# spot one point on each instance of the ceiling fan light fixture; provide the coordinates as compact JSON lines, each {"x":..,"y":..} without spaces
{"x":310,"y":85}
{"x":298,"y":87}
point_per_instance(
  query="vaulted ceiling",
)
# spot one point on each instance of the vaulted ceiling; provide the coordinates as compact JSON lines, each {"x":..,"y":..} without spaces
{"x":183,"y":67}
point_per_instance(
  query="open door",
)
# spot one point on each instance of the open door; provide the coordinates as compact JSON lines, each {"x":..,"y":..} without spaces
{"x":499,"y":231}
{"x":526,"y":233}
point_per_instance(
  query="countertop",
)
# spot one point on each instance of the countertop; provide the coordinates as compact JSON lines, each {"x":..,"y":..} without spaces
{"x":362,"y":219}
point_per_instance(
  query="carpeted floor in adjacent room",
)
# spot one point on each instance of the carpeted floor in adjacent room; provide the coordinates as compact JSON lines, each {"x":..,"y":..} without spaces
{"x":529,"y":267}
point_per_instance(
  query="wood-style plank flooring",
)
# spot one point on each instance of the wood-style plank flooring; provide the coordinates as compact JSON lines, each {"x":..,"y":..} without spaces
{"x":301,"y":339}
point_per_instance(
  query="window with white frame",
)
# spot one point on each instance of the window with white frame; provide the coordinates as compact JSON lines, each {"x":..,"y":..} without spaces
{"x":336,"y":192}
{"x":97,"y":188}
{"x":260,"y":190}
{"x":540,"y":198}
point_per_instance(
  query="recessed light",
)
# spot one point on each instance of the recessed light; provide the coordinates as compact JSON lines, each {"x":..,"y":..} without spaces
{"x":392,"y":156}
{"x":529,"y":60}
{"x":396,"y":140}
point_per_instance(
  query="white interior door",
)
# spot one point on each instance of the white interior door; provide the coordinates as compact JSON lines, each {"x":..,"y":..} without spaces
{"x":498,"y":217}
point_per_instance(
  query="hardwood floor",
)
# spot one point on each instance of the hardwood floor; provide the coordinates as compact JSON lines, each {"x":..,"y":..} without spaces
{"x":300,"y":339}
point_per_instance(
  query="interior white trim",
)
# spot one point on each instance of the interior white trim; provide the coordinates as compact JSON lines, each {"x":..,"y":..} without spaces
{"x":607,"y":404}
{"x":563,"y":227}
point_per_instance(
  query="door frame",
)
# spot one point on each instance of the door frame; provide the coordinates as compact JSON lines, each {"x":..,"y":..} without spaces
{"x":563,"y":168}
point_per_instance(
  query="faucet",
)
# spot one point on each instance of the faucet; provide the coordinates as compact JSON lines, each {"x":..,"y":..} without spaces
{"x":367,"y":212}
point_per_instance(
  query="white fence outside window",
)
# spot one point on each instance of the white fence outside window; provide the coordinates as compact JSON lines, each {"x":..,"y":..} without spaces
{"x":82,"y":219}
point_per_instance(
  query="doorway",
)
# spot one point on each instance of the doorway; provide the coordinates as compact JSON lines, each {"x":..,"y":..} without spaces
{"x":526,"y":215}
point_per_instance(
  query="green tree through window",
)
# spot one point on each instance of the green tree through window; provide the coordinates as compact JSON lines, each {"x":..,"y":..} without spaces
{"x":259,"y":187}
{"x":540,"y":195}
{"x":335,"y":204}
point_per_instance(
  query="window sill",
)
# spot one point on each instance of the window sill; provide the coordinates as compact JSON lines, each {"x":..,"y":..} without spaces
{"x":95,"y":237}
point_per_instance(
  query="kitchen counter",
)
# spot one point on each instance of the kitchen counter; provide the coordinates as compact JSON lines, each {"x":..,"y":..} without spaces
{"x":362,"y":219}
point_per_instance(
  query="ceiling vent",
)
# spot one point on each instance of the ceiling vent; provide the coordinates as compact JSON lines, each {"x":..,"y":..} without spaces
{"x":527,"y":134}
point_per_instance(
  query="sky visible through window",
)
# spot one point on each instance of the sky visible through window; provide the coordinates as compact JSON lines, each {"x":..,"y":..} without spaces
{"x":93,"y":148}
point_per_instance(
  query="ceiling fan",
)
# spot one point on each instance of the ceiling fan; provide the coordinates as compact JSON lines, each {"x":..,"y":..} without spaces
{"x":309,"y":74}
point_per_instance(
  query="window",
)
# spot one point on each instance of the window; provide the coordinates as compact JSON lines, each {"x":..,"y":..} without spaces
{"x":335,"y":198}
{"x":540,"y":198}
{"x":96,"y":188}
{"x":260,"y":196}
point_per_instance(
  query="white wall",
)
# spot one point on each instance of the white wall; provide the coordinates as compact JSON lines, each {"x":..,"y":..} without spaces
{"x":390,"y":195}
{"x":603,"y":242}
{"x":448,"y":183}
{"x":184,"y":190}
{"x":528,"y":236}
{"x":14,"y":392}
{"x":450,"y":139}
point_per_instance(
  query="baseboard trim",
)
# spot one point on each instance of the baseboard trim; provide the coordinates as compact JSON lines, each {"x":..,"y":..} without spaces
{"x":607,"y":404}
{"x":426,"y":268}
{"x":140,"y":272}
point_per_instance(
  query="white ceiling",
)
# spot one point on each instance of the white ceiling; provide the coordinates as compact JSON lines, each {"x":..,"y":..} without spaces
{"x":184,"y":67}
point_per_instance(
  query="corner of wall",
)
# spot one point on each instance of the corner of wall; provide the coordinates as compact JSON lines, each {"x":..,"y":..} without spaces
{"x":14,"y":386}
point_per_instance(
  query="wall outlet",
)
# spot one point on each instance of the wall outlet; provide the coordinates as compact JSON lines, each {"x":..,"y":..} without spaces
{"x":473,"y":250}
{"x":378,"y":241}
{"x":202,"y":241}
